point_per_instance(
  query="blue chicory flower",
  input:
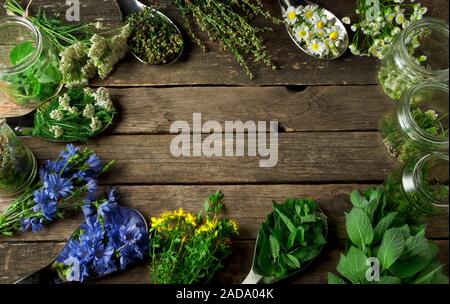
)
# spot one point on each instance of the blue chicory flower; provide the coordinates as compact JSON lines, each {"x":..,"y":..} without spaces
{"x":57,"y":187}
{"x":44,"y":204}
{"x":33,"y":222}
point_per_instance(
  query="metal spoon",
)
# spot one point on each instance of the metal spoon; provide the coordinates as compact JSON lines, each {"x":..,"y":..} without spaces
{"x":254,"y":277}
{"x":284,"y":4}
{"x":48,"y":274}
{"x":130,"y":7}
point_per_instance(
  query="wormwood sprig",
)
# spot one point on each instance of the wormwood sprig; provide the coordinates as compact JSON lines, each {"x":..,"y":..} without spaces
{"x":228,"y":23}
{"x":189,"y":249}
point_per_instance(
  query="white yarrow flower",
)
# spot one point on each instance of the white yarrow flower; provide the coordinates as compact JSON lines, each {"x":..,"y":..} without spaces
{"x":57,"y":115}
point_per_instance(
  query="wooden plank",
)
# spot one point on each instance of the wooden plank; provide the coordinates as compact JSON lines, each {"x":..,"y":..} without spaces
{"x":249,"y":205}
{"x":220,"y":68}
{"x":15,"y":262}
{"x":302,"y":157}
{"x":321,"y":108}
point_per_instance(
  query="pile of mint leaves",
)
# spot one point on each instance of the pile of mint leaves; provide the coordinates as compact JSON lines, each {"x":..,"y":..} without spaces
{"x":290,"y":237}
{"x":404,"y":254}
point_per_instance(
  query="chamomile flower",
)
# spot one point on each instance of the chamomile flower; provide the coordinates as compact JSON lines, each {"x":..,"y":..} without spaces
{"x":309,"y":12}
{"x":291,"y":15}
{"x":302,"y":33}
{"x":346,"y":20}
{"x":320,"y":23}
{"x":318,"y":48}
{"x":400,"y":18}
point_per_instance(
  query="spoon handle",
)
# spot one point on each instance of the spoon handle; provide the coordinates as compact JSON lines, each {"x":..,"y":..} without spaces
{"x":129,"y":7}
{"x":46,"y":275}
{"x":252,"y":278}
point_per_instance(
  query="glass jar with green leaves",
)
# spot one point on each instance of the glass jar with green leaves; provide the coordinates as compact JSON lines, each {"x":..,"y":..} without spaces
{"x":418,"y":123}
{"x":419,"y":53}
{"x":420,"y":188}
{"x":17,"y":162}
{"x":29,"y":65}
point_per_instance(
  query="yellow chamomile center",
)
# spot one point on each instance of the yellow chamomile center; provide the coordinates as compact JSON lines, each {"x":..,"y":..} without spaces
{"x":309,"y":14}
{"x":320,"y":24}
{"x":292,"y":15}
{"x":334,"y":35}
{"x":302,"y":33}
{"x":315,"y":46}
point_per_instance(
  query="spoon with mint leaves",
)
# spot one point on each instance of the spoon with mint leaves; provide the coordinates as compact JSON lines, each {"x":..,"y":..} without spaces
{"x":290,"y":238}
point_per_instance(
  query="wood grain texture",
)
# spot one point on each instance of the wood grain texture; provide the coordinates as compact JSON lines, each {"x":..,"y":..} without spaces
{"x":328,"y":108}
{"x":220,"y":68}
{"x":15,"y":262}
{"x":249,"y":205}
{"x":302,"y":158}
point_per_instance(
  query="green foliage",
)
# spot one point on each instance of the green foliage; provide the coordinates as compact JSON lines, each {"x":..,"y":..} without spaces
{"x":153,"y":38}
{"x":37,"y":83}
{"x":405,"y":255}
{"x":289,"y":238}
{"x":228,"y":23}
{"x":75,"y":116}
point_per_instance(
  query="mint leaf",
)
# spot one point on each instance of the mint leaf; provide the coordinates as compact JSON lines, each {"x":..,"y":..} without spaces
{"x":292,"y":261}
{"x":274,"y":247}
{"x":409,"y":267}
{"x":388,"y":280}
{"x":359,"y":228}
{"x":416,"y":245}
{"x":383,"y":225}
{"x":391,"y":248}
{"x":21,"y":52}
{"x":358,"y":200}
{"x":439,"y":279}
{"x":334,"y":279}
{"x":286,"y":220}
{"x":353,"y":266}
{"x":428,"y":274}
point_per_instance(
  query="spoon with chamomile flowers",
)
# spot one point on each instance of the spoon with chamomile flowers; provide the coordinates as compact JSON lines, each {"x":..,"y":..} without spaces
{"x":154,"y":39}
{"x":314,"y":29}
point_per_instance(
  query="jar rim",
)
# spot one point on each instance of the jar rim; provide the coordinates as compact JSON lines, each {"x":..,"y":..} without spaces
{"x":428,"y":23}
{"x":405,"y":111}
{"x":21,"y":21}
{"x":418,"y":178}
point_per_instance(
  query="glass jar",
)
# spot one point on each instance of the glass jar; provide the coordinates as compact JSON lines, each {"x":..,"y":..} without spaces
{"x":419,"y":123}
{"x":17,"y":162}
{"x":420,"y":188}
{"x":29,"y":66}
{"x":419,"y":53}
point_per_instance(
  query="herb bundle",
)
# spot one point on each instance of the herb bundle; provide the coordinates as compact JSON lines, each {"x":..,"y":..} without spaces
{"x":17,"y":163}
{"x":85,"y":52}
{"x":111,"y":238}
{"x":374,"y":33}
{"x":77,"y":115}
{"x":402,"y":147}
{"x":153,"y":39}
{"x":291,"y":237}
{"x":63,"y":185}
{"x":188,"y":249}
{"x":404,"y":254}
{"x":228,"y":23}
{"x":35,"y":84}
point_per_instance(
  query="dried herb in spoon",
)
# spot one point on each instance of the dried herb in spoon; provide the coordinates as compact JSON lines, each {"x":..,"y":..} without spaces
{"x":153,"y":38}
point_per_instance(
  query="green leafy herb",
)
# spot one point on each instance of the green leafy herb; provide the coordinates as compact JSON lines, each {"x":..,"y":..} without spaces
{"x":228,"y":23}
{"x":153,"y":38}
{"x":289,"y":238}
{"x":77,"y":115}
{"x":37,"y":83}
{"x":403,"y":252}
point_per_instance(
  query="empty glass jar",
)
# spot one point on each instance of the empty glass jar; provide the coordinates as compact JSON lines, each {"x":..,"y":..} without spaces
{"x":419,"y":53}
{"x":29,"y":66}
{"x":419,"y":122}
{"x":420,"y":188}
{"x":17,"y":162}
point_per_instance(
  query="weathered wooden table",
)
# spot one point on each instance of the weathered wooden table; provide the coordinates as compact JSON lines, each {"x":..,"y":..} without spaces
{"x":328,"y":113}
